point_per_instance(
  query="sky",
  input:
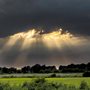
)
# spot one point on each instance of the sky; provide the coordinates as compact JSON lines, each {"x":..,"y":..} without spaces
{"x":30,"y":32}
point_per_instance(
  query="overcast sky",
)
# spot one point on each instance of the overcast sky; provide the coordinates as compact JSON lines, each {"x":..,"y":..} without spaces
{"x":21,"y":15}
{"x":18,"y":15}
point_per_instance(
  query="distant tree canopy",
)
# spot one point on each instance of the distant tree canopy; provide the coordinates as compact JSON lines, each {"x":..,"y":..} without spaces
{"x":72,"y":68}
{"x":43,"y":69}
{"x":75,"y":68}
{"x":26,"y":69}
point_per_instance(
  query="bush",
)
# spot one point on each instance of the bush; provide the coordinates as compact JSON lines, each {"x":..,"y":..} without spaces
{"x":53,"y":75}
{"x":4,"y":86}
{"x":40,"y":80}
{"x":86,"y":74}
{"x":37,"y":84}
{"x":84,"y":86}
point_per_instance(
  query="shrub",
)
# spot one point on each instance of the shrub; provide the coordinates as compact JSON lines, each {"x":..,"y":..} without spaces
{"x":53,"y":75}
{"x":1,"y":86}
{"x":84,"y":86}
{"x":4,"y":86}
{"x":40,"y":80}
{"x":86,"y":74}
{"x":37,"y":84}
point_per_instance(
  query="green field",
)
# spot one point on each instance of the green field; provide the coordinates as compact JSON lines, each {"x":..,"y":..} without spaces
{"x":69,"y":81}
{"x":61,"y":81}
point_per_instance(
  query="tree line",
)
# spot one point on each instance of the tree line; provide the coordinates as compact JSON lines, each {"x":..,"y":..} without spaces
{"x":75,"y":68}
{"x":72,"y":68}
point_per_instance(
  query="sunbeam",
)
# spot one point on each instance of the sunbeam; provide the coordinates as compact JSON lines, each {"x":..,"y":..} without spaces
{"x":35,"y":46}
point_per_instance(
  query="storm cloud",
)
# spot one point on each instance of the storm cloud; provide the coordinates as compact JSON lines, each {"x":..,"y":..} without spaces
{"x":46,"y":44}
{"x":19,"y":15}
{"x":54,"y":48}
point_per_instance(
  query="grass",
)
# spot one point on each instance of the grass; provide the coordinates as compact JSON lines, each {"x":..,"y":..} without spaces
{"x":69,"y":81}
{"x":79,"y":83}
{"x":42,"y":75}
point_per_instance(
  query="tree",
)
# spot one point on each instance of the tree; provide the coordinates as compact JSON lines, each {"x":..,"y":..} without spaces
{"x":36,"y":68}
{"x":88,"y":66}
{"x":12,"y":70}
{"x":26,"y":69}
{"x":5,"y":70}
{"x":86,"y":74}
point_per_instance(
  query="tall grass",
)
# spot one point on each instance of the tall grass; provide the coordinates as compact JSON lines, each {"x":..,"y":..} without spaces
{"x":42,"y":84}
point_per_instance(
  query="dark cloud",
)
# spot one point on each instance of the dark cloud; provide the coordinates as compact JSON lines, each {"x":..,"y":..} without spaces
{"x":18,"y":15}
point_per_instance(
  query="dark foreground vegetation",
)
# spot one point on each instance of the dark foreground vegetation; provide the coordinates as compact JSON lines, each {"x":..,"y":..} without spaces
{"x":72,"y":68}
{"x":42,"y":84}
